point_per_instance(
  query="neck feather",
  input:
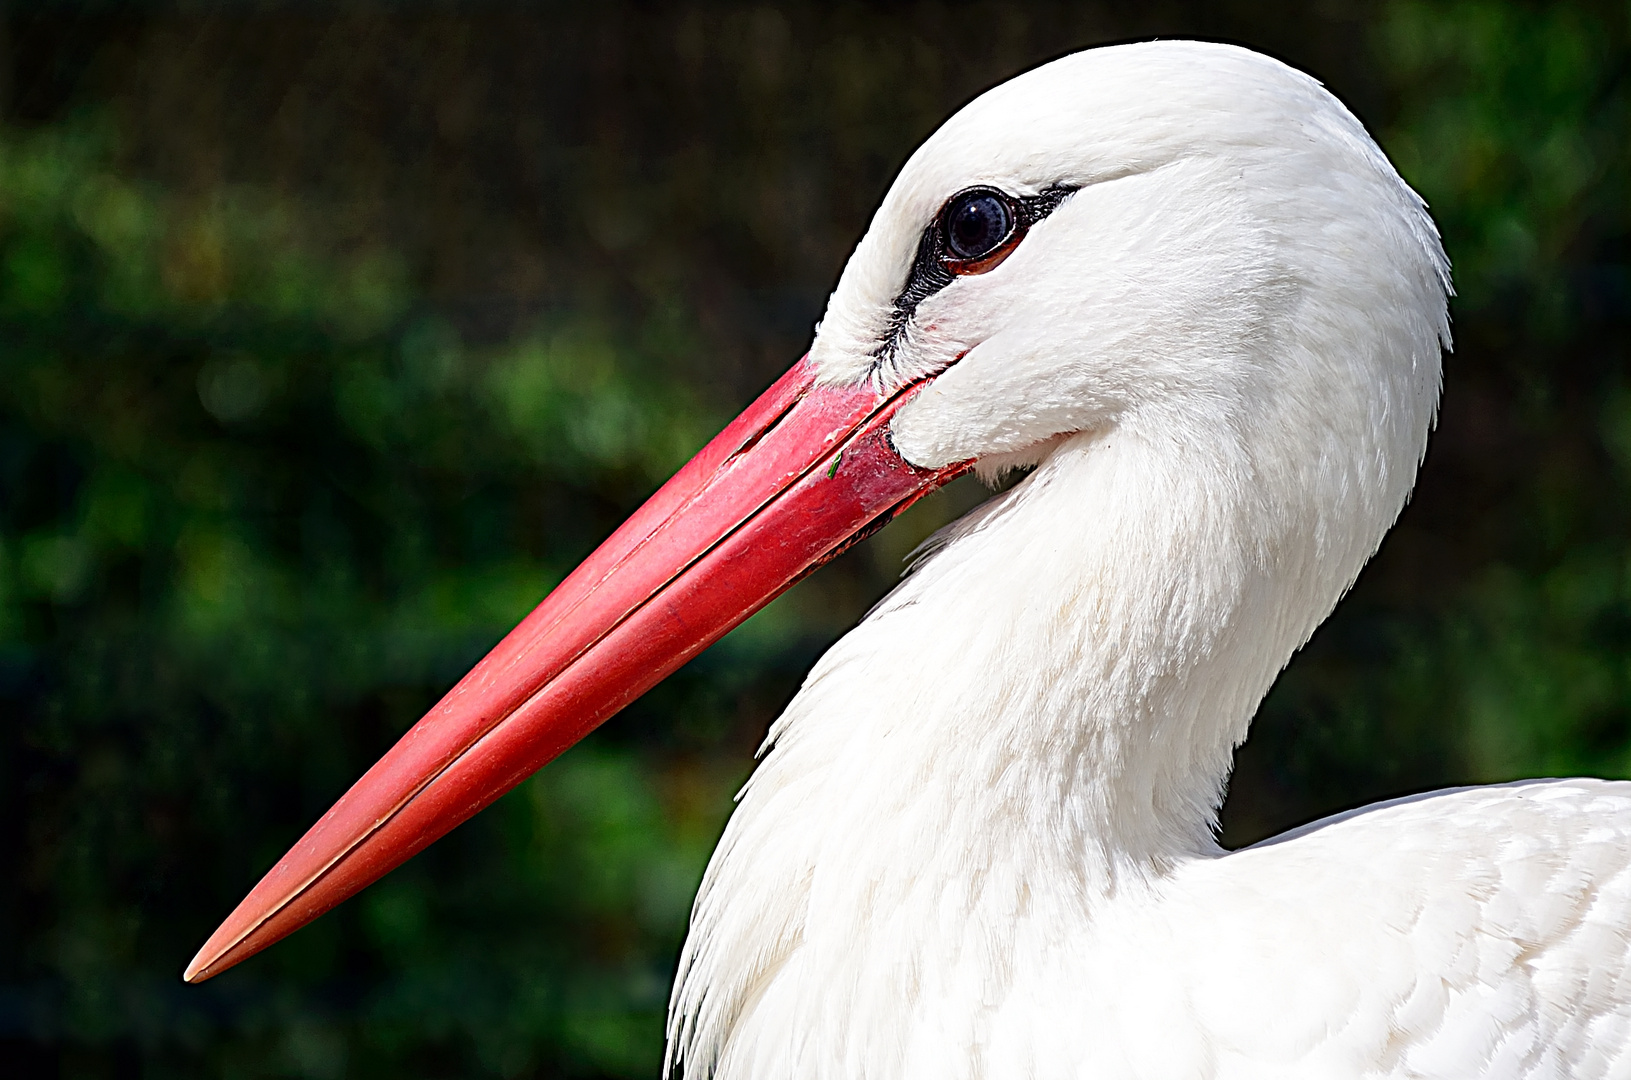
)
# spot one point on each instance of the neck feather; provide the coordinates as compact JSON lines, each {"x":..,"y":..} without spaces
{"x":1042,"y":715}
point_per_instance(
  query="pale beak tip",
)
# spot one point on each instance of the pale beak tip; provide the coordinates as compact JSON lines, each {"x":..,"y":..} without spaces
{"x":206,"y":965}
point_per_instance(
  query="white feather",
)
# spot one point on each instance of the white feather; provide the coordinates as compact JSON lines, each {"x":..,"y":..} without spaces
{"x":981,"y":842}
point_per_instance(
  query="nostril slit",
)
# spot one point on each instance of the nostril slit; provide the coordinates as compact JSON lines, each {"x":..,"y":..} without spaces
{"x":758,"y":436}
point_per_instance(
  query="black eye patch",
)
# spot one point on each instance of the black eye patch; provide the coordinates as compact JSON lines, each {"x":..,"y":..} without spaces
{"x":972,"y":231}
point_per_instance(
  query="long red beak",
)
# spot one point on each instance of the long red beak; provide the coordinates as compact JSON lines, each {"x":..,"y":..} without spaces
{"x":790,"y":483}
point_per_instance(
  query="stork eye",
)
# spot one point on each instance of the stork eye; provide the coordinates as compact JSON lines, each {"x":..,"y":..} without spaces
{"x":977,"y":224}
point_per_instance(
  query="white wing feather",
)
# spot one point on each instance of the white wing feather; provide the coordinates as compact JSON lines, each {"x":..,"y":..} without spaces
{"x":1482,"y":932}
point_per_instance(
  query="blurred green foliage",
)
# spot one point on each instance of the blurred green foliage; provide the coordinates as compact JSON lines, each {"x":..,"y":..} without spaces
{"x":329,"y":341}
{"x":1516,"y":127}
{"x":249,"y":491}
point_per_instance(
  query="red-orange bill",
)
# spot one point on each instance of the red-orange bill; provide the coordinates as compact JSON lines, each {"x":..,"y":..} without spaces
{"x":801,"y":474}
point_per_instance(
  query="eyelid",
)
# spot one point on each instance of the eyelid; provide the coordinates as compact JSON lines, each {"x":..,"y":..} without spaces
{"x":991,"y":259}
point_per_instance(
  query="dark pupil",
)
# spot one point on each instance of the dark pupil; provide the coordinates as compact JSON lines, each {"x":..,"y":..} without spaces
{"x":976,"y":225}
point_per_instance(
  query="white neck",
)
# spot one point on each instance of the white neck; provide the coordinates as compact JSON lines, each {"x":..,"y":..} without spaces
{"x":1041,"y":716}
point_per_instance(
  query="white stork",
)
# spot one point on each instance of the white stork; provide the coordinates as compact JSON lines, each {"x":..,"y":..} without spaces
{"x":1182,"y":282}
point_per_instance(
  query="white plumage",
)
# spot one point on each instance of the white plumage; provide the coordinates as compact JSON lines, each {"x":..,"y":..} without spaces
{"x":981,"y":842}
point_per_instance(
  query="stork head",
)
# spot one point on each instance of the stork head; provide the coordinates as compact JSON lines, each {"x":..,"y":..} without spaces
{"x":1189,"y":241}
{"x":1190,"y":234}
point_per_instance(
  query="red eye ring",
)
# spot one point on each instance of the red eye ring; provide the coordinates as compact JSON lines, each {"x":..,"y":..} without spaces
{"x":990,"y":261}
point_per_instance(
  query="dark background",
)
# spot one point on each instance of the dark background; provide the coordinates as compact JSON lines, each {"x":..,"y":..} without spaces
{"x":331,"y":337}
